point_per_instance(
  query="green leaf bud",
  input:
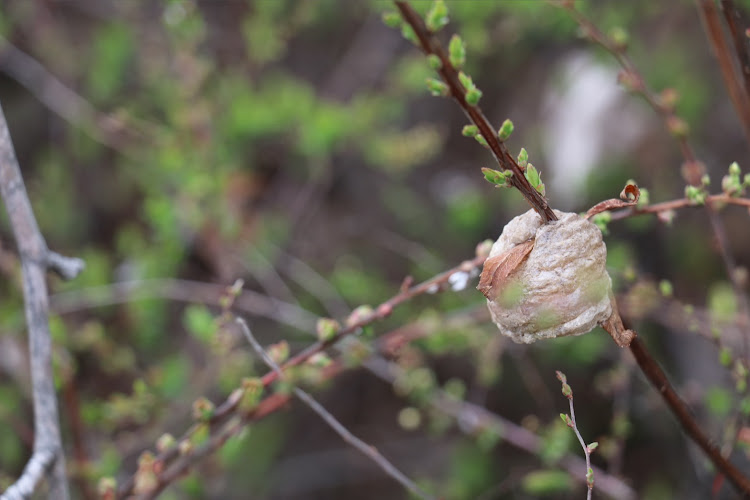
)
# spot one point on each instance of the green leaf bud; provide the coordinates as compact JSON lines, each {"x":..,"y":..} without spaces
{"x":481,"y":140}
{"x":457,"y":52}
{"x":469,"y":130}
{"x":436,"y":87}
{"x":734,"y":169}
{"x":434,"y":62}
{"x":408,"y":33}
{"x":619,"y":37}
{"x":493,"y":176}
{"x":465,"y":80}
{"x":473,"y":95}
{"x":666,"y":288}
{"x":705,"y":180}
{"x":392,"y":19}
{"x":523,"y":159}
{"x":203,"y":409}
{"x":505,"y":130}
{"x":327,"y":328}
{"x":279,"y":352}
{"x":437,"y":16}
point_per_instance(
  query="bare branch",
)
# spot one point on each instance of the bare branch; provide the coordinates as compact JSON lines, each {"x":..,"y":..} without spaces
{"x":66,"y":103}
{"x":34,"y":261}
{"x":36,"y":467}
{"x":369,"y":451}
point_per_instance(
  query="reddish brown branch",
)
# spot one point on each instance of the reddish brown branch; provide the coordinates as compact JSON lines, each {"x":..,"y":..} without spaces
{"x":228,"y":408}
{"x":711,"y":19}
{"x":449,"y":74}
{"x":737,"y":25}
{"x":658,"y":379}
{"x":666,"y":206}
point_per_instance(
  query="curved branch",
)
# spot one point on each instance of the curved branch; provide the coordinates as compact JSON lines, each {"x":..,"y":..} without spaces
{"x":35,"y":258}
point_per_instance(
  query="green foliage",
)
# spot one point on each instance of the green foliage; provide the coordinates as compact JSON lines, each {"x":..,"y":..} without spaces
{"x":112,"y":52}
{"x":547,"y":483}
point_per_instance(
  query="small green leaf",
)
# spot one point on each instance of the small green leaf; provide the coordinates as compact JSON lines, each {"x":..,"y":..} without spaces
{"x":469,"y":130}
{"x":505,"y":130}
{"x":457,"y":52}
{"x":725,"y":356}
{"x":465,"y":80}
{"x":481,"y":140}
{"x":408,"y":33}
{"x":473,"y":95}
{"x":734,"y":169}
{"x":532,"y":175}
{"x":327,"y":329}
{"x":437,"y":16}
{"x":619,"y":37}
{"x":434,"y":62}
{"x":392,"y":19}
{"x":665,"y":287}
{"x":719,"y":401}
{"x":436,"y":87}
{"x":523,"y":159}
{"x":493,"y":176}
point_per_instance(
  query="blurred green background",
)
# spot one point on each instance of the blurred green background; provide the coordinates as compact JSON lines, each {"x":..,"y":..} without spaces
{"x":294,"y":145}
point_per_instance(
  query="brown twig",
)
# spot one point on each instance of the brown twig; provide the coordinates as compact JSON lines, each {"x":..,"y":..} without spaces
{"x":735,"y":21}
{"x":666,"y":206}
{"x":659,"y":380}
{"x":228,"y":409}
{"x":692,"y":172}
{"x":449,"y":74}
{"x":48,"y":457}
{"x":711,"y":19}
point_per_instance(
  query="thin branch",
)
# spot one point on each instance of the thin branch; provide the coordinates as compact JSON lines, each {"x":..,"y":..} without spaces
{"x":693,"y":169}
{"x":369,"y":451}
{"x":228,"y":409}
{"x":449,"y":74}
{"x":474,"y":418}
{"x":35,"y":469}
{"x":35,"y":258}
{"x":381,"y":312}
{"x":667,"y":206}
{"x":183,"y":291}
{"x":711,"y":19}
{"x":106,"y":129}
{"x":571,"y":422}
{"x":735,"y":21}
{"x":659,"y":380}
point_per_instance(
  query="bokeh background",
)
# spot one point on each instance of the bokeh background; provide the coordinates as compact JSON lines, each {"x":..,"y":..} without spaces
{"x":293,"y":145}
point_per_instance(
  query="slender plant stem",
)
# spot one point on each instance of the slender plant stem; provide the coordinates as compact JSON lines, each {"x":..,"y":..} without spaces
{"x":346,"y":435}
{"x":227,"y":409}
{"x":449,"y":74}
{"x":711,"y":20}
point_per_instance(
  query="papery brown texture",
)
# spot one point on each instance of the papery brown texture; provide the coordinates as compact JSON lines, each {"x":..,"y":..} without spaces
{"x":565,"y":288}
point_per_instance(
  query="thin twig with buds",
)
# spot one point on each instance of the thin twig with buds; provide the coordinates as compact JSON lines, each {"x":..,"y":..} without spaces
{"x":229,"y":408}
{"x":570,"y":421}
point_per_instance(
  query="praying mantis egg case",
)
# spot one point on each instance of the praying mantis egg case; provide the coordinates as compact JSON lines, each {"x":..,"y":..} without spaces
{"x":561,"y":288}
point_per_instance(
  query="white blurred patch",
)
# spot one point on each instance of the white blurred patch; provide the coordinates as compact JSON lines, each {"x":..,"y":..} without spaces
{"x":586,"y":115}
